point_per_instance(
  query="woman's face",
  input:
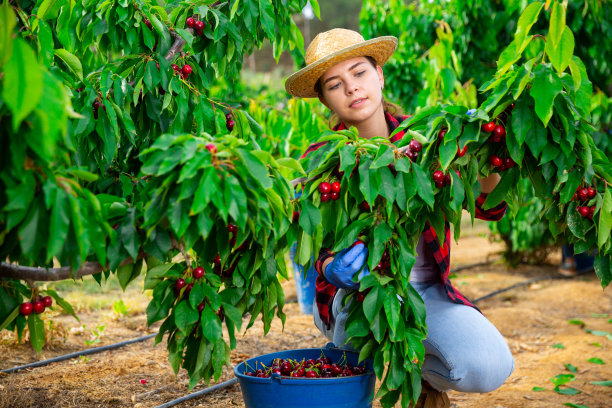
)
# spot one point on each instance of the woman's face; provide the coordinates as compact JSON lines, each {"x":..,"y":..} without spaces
{"x":353,"y":89}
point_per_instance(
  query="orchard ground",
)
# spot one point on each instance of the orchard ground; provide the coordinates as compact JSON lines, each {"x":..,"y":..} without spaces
{"x":533,"y":319}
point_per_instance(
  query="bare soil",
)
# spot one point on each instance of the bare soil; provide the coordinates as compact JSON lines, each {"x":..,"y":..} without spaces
{"x":532,"y":318}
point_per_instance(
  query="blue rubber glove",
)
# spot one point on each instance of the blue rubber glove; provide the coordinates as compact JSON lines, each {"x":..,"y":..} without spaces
{"x":345,"y":265}
{"x":470,"y":112}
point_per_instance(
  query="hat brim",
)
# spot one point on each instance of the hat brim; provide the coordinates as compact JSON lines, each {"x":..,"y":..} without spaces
{"x":301,"y":83}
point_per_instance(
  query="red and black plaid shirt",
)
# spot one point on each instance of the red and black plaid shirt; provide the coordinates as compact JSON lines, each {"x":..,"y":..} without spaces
{"x":325,"y":291}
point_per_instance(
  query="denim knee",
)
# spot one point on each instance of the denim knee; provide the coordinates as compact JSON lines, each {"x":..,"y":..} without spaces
{"x":482,"y":373}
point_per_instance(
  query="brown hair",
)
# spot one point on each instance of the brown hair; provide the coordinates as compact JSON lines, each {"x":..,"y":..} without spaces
{"x":389,"y":107}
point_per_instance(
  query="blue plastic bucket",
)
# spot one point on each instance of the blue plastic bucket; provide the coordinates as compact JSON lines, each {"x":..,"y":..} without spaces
{"x":304,"y":285}
{"x":286,"y":392}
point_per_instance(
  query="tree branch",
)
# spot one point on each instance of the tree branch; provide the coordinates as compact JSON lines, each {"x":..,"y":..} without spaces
{"x":50,"y":274}
{"x":177,"y":46}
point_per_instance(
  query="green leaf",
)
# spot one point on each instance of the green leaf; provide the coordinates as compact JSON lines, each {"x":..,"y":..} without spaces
{"x":37,"y":332}
{"x":561,"y":53}
{"x":156,"y":274}
{"x":349,"y":234}
{"x":187,"y":36}
{"x":22,"y":83}
{"x":546,"y":86}
{"x":310,"y":217}
{"x":384,"y":157}
{"x":569,"y":404}
{"x":513,"y":51}
{"x":596,"y":360}
{"x":603,"y":383}
{"x":58,"y":227}
{"x":558,"y":346}
{"x":562,"y":379}
{"x":567,"y":391}
{"x":571,"y":368}
{"x":266,"y":15}
{"x":605,"y":219}
{"x":397,"y":372}
{"x":71,"y":61}
{"x":382,"y":233}
{"x":9,"y":318}
{"x":508,"y":180}
{"x":211,"y":325}
{"x":392,"y":307}
{"x":255,"y":168}
{"x":62,"y":303}
{"x":369,"y":181}
{"x":577,"y":322}
{"x":538,"y":389}
{"x":557,"y":23}
{"x":7,"y":23}
{"x":603,"y":269}
{"x":372,"y":303}
{"x":184,"y":315}
{"x":291,"y":163}
{"x":424,"y":185}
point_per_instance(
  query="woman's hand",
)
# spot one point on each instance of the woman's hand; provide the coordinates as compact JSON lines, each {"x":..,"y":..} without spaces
{"x":339,"y":270}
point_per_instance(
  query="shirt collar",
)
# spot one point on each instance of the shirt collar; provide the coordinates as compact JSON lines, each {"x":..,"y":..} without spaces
{"x":392,"y":121}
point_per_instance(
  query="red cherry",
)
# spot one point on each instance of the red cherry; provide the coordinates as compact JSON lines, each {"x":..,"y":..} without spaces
{"x":199,"y":27}
{"x":496,"y":139}
{"x":415,"y":146}
{"x":438,"y":176}
{"x":442,"y":134}
{"x":495,"y":160}
{"x":591,"y":211}
{"x":176,"y":68}
{"x":48,"y":301}
{"x":325,"y":188}
{"x":502,"y":167}
{"x":286,"y":368}
{"x":230,"y":125}
{"x":148,"y":23}
{"x":412,"y":155}
{"x":511,"y":106}
{"x":509,"y":163}
{"x":143,"y":381}
{"x":296,"y":216}
{"x":276,"y":371}
{"x":365,"y":206}
{"x":325,"y":197}
{"x":335,"y":187}
{"x":461,"y":152}
{"x":360,"y":297}
{"x":231,"y":228}
{"x":592,"y":192}
{"x":186,"y":70}
{"x":190,"y":22}
{"x":180,"y":284}
{"x":583,"y":194}
{"x":228,"y":116}
{"x":198,"y":272}
{"x":447,"y":179}
{"x":26,"y":308}
{"x":96,"y":104}
{"x":499,"y":131}
{"x":201,"y":307}
{"x":188,"y":288}
{"x":217,"y":260}
{"x":488,"y":127}
{"x":211,"y":148}
{"x":39,"y":307}
{"x":346,"y":373}
{"x":584,"y":211}
{"x":334,"y":196}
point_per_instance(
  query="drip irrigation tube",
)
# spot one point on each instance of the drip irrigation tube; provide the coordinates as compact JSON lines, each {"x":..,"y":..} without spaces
{"x":197,"y":394}
{"x":78,"y":354}
{"x":520,"y":284}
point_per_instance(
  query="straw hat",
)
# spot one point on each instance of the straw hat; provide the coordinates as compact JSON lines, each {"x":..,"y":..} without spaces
{"x":331,"y":47}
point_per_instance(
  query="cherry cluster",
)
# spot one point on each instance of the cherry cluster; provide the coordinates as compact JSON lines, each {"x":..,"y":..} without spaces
{"x":183,"y":72}
{"x":385,"y":262}
{"x":441,"y":179}
{"x":584,"y":194}
{"x":414,"y":148}
{"x":329,"y":191}
{"x":498,"y":131}
{"x":501,"y":164}
{"x":319,"y":368}
{"x":197,"y":25}
{"x":229,"y":122}
{"x":37,"y":306}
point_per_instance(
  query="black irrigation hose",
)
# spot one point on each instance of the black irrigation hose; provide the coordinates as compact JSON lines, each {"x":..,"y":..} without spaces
{"x":525,"y":283}
{"x":199,"y":393}
{"x":78,"y":354}
{"x":470,"y":266}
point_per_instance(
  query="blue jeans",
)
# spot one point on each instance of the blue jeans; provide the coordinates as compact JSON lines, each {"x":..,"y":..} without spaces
{"x":463,"y":350}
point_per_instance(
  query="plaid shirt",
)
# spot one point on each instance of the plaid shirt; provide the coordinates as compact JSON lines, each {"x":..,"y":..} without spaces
{"x":325,"y":291}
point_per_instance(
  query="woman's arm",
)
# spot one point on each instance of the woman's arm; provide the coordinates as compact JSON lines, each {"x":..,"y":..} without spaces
{"x":488,"y":183}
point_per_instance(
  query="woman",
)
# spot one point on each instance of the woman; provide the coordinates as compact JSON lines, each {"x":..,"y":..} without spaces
{"x":464,"y":351}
